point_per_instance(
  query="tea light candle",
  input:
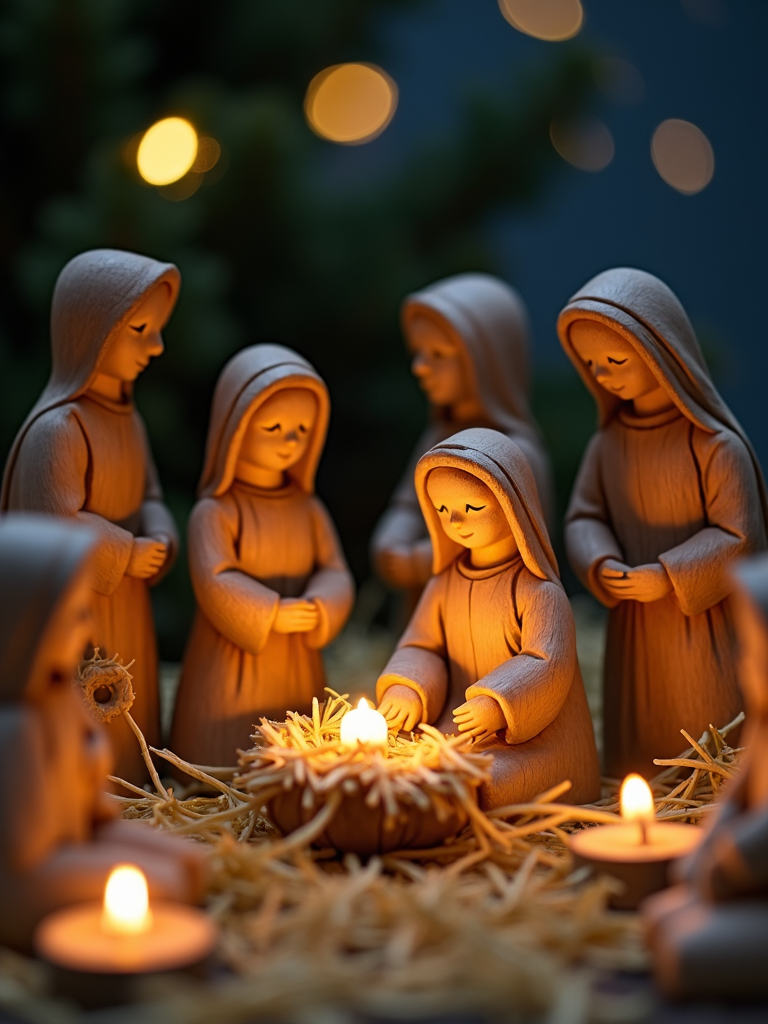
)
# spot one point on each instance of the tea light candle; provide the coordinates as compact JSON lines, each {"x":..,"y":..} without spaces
{"x":97,"y":949}
{"x":639,"y":851}
{"x":364,"y":725}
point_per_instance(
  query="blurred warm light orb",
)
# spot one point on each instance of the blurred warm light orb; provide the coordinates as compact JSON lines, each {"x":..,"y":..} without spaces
{"x":350,"y":103}
{"x":683,"y":156}
{"x":167,"y":151}
{"x":126,"y":902}
{"x":585,"y":143}
{"x":551,"y":20}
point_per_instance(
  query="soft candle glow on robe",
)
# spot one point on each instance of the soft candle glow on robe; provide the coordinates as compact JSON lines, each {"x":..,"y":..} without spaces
{"x":364,"y":724}
{"x":126,"y":902}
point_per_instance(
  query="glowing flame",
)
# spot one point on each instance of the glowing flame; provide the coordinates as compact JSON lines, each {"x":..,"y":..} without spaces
{"x":167,"y":151}
{"x":126,"y":902}
{"x":364,"y":724}
{"x":350,"y":103}
{"x":636,"y":799}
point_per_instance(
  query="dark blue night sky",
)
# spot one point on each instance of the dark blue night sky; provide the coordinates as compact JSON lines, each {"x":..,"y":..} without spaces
{"x":710,"y":247}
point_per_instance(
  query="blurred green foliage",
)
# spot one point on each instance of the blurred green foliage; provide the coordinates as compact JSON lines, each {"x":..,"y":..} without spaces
{"x":271,"y":246}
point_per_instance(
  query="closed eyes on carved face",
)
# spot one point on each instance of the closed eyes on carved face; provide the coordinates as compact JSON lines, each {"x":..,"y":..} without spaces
{"x":469,"y":511}
{"x":280,"y":429}
{"x":612,"y":360}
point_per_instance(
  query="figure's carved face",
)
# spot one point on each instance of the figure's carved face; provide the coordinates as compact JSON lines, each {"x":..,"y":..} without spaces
{"x":438,"y":363}
{"x":614,"y":362}
{"x":468,"y":510}
{"x":65,"y":639}
{"x":139,"y":339}
{"x":280,"y":429}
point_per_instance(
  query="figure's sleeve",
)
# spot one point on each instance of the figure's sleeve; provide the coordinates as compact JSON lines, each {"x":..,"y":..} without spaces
{"x":589,"y":539}
{"x":156,"y":518}
{"x":420,"y":658}
{"x":402,"y":525}
{"x":50,"y":477}
{"x":238,"y":606}
{"x":331,"y":586}
{"x":699,"y":568}
{"x":531,"y":687}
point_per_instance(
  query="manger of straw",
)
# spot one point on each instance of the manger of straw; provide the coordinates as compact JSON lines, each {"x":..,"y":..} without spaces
{"x":420,"y":793}
{"x":494,"y":921}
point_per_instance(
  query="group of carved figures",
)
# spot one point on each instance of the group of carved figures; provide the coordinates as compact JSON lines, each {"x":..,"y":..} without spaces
{"x":668,"y":497}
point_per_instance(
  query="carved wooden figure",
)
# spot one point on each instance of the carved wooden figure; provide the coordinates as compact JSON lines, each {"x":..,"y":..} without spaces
{"x":82,"y":453}
{"x":58,"y":836}
{"x":267,"y":568}
{"x":468,"y":336}
{"x":669,"y":493}
{"x":709,"y":936}
{"x":491,"y":646}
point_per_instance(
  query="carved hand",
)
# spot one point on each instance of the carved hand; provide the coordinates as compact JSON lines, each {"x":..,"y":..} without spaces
{"x":479,"y":716}
{"x":295,"y":615}
{"x":401,"y":706}
{"x":147,"y":557}
{"x":643,"y":583}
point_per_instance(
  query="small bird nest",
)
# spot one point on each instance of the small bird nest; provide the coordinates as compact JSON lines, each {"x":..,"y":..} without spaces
{"x":106,"y":686}
{"x":421,"y":793}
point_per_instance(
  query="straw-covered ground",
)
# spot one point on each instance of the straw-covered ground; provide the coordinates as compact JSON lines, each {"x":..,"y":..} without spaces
{"x":494,"y":921}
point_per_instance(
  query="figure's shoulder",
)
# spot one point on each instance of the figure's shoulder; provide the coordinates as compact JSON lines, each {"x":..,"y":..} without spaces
{"x":55,"y":428}
{"x":722,"y":442}
{"x":530,"y":588}
{"x":211,"y":511}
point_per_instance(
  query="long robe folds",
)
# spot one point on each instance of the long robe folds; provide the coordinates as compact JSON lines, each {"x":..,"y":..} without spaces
{"x":505,"y":632}
{"x":682,"y":489}
{"x":89,"y":461}
{"x":669,"y":664}
{"x":248,"y":549}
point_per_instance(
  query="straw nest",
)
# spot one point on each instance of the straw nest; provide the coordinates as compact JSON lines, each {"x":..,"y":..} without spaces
{"x":495,"y":921}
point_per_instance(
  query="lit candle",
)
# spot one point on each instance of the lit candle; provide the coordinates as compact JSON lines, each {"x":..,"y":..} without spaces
{"x":97,"y":949}
{"x":364,"y":725}
{"x":639,"y":850}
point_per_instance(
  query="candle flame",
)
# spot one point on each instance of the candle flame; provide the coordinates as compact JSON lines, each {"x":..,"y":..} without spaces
{"x":364,"y":724}
{"x":126,"y":902}
{"x":636,"y":799}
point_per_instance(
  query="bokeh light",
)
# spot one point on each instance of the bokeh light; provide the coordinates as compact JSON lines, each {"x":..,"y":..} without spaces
{"x":167,"y":151}
{"x":350,"y":103}
{"x":585,"y":143}
{"x":552,"y":20}
{"x":208,"y":154}
{"x":620,"y":81}
{"x":683,"y":156}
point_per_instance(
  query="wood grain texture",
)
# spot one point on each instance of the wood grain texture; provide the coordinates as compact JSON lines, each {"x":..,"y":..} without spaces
{"x":680,"y":490}
{"x":506,"y":632}
{"x":58,"y":839}
{"x":249,"y":547}
{"x":488,"y":322}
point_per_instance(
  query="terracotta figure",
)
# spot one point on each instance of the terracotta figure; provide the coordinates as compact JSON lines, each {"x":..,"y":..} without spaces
{"x":468,"y":336}
{"x":491,"y":647}
{"x":58,"y":836}
{"x":709,"y":936}
{"x":82,"y":453}
{"x":270,"y":578}
{"x":669,"y":493}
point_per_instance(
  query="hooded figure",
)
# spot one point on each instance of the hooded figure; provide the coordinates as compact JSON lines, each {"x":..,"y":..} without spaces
{"x":504,"y":632}
{"x":673,"y":495}
{"x":253,"y":550}
{"x":709,"y":937}
{"x":479,"y":324}
{"x":58,"y":837}
{"x":86,"y":457}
